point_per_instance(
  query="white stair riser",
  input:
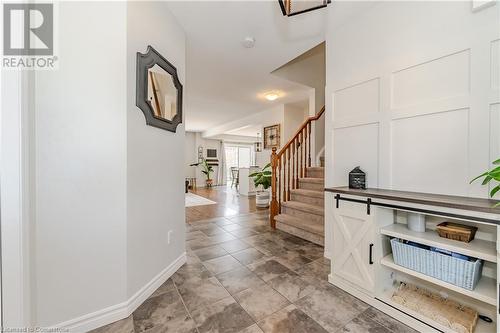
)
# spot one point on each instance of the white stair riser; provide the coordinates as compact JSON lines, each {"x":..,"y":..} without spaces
{"x":317,"y":239}
{"x":306,"y":216}
{"x":308,"y":200}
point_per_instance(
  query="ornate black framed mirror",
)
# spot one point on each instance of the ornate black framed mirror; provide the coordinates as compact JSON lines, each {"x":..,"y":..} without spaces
{"x":158,"y":90}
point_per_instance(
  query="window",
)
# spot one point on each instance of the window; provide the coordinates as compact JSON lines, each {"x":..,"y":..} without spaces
{"x":238,"y":156}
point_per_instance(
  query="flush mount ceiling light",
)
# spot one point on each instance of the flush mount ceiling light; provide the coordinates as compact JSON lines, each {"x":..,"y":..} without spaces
{"x":271,"y":96}
{"x":248,"y":42}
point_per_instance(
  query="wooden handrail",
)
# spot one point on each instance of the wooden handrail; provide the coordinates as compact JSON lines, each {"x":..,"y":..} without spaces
{"x":295,"y":155}
{"x":302,"y":127}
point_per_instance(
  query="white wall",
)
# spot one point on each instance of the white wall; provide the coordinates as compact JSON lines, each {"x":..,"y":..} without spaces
{"x":107,"y":187}
{"x":309,"y":69}
{"x":80,"y":166}
{"x":420,"y":103}
{"x":155,"y":164}
{"x":270,"y":117}
{"x":294,"y":116}
{"x":288,"y":116}
{"x":412,"y":88}
{"x":199,"y":141}
{"x":190,"y":154}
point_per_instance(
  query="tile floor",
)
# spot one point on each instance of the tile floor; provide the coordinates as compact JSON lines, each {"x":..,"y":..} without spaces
{"x":241,"y":276}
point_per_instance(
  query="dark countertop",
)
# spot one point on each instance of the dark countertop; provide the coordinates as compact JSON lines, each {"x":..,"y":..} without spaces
{"x":449,"y":201}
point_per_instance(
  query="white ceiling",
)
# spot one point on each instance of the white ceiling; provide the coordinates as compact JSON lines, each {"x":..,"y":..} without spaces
{"x":249,"y":130}
{"x":224,"y":80}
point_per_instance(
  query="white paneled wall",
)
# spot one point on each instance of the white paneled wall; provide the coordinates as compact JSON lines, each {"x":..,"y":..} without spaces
{"x":428,"y":149}
{"x":411,"y":92}
{"x":364,"y":138}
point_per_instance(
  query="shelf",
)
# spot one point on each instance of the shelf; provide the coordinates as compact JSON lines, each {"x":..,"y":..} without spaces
{"x":481,"y":327}
{"x":485,"y":290}
{"x":477,"y":248}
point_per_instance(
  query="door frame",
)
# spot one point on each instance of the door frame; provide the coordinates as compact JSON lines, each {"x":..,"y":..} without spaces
{"x":16,"y":213}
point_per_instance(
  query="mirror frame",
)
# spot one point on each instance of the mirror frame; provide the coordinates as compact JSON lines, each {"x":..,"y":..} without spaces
{"x":145,"y":61}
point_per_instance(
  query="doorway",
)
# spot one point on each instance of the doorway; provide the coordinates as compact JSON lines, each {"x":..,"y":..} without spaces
{"x":238,"y":156}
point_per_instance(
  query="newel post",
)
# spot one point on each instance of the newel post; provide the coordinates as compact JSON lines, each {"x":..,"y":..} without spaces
{"x":273,"y":209}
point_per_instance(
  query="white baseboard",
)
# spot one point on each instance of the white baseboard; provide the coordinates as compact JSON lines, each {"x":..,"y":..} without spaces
{"x":328,"y":255}
{"x":119,"y":311}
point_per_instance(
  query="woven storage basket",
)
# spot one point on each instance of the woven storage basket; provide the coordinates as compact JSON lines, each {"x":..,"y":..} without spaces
{"x":455,"y":231}
{"x":459,"y":272}
{"x":448,"y":313}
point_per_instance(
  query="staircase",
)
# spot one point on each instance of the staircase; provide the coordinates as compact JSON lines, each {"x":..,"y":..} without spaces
{"x":297,"y":203}
{"x":303,"y":215}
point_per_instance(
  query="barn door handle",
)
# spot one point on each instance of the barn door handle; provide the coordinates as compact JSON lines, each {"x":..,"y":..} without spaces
{"x":371,"y":254}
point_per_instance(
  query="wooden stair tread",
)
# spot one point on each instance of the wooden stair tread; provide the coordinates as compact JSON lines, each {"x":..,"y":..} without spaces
{"x":316,"y":168}
{"x":312,"y":227}
{"x":308,"y":208}
{"x":308,"y":193}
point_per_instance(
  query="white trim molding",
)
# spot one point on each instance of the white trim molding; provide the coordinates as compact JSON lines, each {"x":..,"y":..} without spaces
{"x":15,"y":193}
{"x":122,"y":310}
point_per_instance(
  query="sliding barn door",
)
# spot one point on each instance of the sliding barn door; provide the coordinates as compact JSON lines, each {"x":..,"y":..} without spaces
{"x":353,"y":239}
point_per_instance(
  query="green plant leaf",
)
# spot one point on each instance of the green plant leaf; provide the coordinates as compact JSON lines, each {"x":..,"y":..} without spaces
{"x":494,"y":172}
{"x":481,"y":175}
{"x":496,"y":162}
{"x":494,"y":190}
{"x":487,"y":180}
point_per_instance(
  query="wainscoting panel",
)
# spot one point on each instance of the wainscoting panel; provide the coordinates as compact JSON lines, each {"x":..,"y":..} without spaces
{"x":435,"y":123}
{"x":494,"y":131}
{"x":357,"y":101}
{"x":360,"y":144}
{"x":495,"y":64}
{"x":428,"y":148}
{"x":444,"y":77}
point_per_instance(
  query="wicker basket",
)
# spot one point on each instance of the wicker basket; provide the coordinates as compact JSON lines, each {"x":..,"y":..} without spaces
{"x":455,"y":231}
{"x":459,"y":272}
{"x":448,"y":313}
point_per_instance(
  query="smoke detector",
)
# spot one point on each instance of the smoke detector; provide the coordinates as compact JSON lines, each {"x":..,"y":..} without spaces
{"x":248,"y":42}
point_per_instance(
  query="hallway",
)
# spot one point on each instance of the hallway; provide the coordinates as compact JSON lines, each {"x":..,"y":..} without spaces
{"x":229,"y":203}
{"x":241,"y":276}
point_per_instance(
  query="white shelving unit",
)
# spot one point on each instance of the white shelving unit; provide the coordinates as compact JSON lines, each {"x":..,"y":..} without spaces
{"x":482,"y":327}
{"x":372,"y":217}
{"x":485,"y":290}
{"x":477,"y":248}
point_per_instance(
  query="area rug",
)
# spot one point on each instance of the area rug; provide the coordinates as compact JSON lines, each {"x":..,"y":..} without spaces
{"x":196,"y":200}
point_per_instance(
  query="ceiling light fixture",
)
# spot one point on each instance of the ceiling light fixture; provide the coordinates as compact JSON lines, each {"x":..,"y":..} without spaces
{"x":271,"y":96}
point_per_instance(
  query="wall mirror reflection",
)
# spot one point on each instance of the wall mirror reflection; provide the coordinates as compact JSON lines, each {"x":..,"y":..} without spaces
{"x":159,"y":92}
{"x":162,"y":93}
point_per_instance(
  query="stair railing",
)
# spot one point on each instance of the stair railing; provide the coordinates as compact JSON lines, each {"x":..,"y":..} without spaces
{"x":290,"y":164}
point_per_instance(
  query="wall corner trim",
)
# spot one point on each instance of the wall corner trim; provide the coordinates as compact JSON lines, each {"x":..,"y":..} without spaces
{"x":328,"y":255}
{"x":122,"y":310}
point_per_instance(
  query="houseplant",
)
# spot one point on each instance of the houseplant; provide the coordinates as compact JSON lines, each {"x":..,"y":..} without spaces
{"x":493,"y":174}
{"x":207,"y":170}
{"x":262,"y":179}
